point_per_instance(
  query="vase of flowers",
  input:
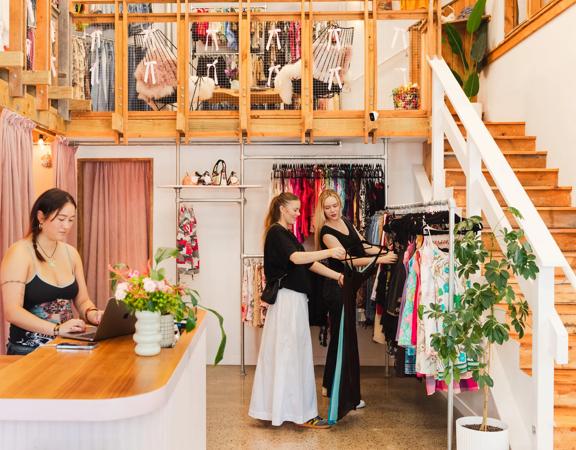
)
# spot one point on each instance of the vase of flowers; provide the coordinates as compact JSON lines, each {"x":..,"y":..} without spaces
{"x":150,"y":295}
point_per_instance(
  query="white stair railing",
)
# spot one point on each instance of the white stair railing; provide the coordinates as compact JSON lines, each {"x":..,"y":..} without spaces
{"x":549,"y":336}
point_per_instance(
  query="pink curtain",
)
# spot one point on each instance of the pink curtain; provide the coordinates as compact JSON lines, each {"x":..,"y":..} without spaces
{"x":16,"y":188}
{"x":116,"y":219}
{"x":64,"y":157}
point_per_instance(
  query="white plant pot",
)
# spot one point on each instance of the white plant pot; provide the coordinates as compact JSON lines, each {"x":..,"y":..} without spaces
{"x":147,"y":335}
{"x":167,"y":331}
{"x":467,"y":439}
{"x":478,"y":108}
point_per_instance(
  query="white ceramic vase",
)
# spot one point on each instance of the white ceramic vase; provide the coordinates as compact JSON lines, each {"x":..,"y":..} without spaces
{"x":478,"y":108}
{"x":147,"y":335}
{"x":167,"y":331}
{"x":467,"y":439}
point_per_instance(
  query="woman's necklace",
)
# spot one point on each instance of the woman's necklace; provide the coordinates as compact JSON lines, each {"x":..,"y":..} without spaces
{"x":49,"y":258}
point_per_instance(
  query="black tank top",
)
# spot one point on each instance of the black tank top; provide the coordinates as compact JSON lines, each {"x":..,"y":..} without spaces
{"x":351,"y":243}
{"x":48,"y":302}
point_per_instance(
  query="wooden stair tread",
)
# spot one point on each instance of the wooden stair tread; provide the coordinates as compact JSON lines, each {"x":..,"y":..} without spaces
{"x":518,"y":169}
{"x":531,"y":188}
{"x":565,"y":417}
{"x":487,"y":122}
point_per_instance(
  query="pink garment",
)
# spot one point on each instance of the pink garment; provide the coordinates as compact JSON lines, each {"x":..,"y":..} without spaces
{"x":464,"y":385}
{"x":416,"y":299}
{"x":16,"y":187}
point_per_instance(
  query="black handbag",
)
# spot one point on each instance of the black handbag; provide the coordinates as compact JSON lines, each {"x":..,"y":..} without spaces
{"x":271,"y":289}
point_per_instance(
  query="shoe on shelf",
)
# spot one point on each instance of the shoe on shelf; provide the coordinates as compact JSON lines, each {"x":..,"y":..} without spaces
{"x":361,"y":405}
{"x":233,"y":179}
{"x":205,"y":178}
{"x":317,"y":423}
{"x":324,"y":392}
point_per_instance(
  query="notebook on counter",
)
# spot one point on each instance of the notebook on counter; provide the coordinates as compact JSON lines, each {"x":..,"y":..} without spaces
{"x":116,"y":321}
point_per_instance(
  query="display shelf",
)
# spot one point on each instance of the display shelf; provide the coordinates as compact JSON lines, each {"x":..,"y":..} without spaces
{"x":210,"y":186}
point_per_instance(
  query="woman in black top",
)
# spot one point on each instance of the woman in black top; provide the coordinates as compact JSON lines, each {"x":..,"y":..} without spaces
{"x":334,"y":230}
{"x":284,"y":384}
{"x":42,"y":276}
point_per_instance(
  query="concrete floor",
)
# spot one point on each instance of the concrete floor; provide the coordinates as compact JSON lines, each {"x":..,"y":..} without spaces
{"x":398,"y":416}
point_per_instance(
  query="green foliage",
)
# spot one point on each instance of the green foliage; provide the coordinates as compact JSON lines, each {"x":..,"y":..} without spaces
{"x":473,"y":324}
{"x":150,"y":291}
{"x":474,"y":62}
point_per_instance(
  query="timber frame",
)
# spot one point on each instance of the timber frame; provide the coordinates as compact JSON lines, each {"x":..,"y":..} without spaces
{"x":305,"y":125}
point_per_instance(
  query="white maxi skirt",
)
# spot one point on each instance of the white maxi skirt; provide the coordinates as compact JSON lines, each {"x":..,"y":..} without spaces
{"x":284,"y":384}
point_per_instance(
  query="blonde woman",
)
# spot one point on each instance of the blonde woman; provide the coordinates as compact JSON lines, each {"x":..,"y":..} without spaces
{"x":284,"y":384}
{"x":341,"y":380}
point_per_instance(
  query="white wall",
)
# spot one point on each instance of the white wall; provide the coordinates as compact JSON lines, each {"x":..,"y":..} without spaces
{"x":534,"y":82}
{"x":219,"y":224}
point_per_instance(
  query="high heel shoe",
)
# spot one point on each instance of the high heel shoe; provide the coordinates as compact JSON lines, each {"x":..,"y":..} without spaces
{"x":219,"y":177}
{"x":233,"y":179}
{"x":205,"y":178}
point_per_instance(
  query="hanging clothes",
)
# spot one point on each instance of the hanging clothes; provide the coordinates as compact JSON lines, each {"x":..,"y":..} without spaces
{"x":253,"y":283}
{"x":360,"y":186}
{"x":188,"y":259}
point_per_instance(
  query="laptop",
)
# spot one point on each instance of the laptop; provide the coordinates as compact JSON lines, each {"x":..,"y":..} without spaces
{"x":116,"y":321}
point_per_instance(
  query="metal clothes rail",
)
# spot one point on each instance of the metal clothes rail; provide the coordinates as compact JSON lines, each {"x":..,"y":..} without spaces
{"x":449,"y":205}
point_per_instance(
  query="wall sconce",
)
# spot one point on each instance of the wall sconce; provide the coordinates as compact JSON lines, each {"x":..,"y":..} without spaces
{"x":45,"y":153}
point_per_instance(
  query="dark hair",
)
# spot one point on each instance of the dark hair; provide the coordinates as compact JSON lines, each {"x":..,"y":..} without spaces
{"x":53,"y":200}
{"x":273,"y":215}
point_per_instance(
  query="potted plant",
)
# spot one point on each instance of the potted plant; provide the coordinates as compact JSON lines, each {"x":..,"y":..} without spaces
{"x":150,"y":295}
{"x":475,"y":60}
{"x":472,"y":326}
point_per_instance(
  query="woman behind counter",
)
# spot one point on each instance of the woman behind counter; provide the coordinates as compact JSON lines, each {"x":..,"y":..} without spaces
{"x":42,"y":276}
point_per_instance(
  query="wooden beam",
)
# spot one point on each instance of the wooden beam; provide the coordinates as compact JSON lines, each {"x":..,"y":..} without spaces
{"x":12,"y":60}
{"x":80,"y":105}
{"x":59,"y":92}
{"x":34,"y":77}
{"x":118,"y":123}
{"x":25,"y":106}
{"x":42,"y":50}
{"x":17,"y":44}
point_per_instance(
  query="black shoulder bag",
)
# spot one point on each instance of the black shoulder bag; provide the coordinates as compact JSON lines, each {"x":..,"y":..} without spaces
{"x":271,"y":290}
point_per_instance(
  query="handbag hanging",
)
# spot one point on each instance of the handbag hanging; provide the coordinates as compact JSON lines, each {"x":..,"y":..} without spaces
{"x":270,"y":291}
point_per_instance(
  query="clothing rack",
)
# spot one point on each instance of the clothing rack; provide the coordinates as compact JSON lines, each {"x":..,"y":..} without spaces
{"x":383,"y":158}
{"x":241,"y":199}
{"x":449,"y":205}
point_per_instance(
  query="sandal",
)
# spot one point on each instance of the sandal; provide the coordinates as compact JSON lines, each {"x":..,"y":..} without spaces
{"x":219,"y":177}
{"x":317,"y":423}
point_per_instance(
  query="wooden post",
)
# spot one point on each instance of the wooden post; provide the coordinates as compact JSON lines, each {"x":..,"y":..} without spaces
{"x":182,"y":63}
{"x":42,"y":50}
{"x":124,"y":74}
{"x":243,"y":63}
{"x":307,"y":94}
{"x":17,"y":44}
{"x":64,"y":37}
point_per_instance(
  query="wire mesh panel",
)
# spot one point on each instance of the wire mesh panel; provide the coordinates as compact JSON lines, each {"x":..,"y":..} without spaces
{"x":338,"y":65}
{"x":398,"y":64}
{"x":214,"y":74}
{"x":275,"y":50}
{"x":152,"y":67}
{"x":93,"y":64}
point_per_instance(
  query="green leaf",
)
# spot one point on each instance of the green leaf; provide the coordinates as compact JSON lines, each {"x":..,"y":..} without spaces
{"x":515,"y":212}
{"x":480,"y":45}
{"x":472,"y":85}
{"x":223,"y":338}
{"x":455,"y":42}
{"x":164,"y":253}
{"x":475,"y":18}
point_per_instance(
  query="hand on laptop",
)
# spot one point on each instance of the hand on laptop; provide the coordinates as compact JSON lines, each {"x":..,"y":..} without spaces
{"x":95,"y":316}
{"x":73,"y":326}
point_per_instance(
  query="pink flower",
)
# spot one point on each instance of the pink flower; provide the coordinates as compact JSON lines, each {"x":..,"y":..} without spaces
{"x":133,"y":273}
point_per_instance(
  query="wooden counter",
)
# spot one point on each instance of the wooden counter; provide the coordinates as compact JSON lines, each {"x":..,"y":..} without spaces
{"x":107,"y":398}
